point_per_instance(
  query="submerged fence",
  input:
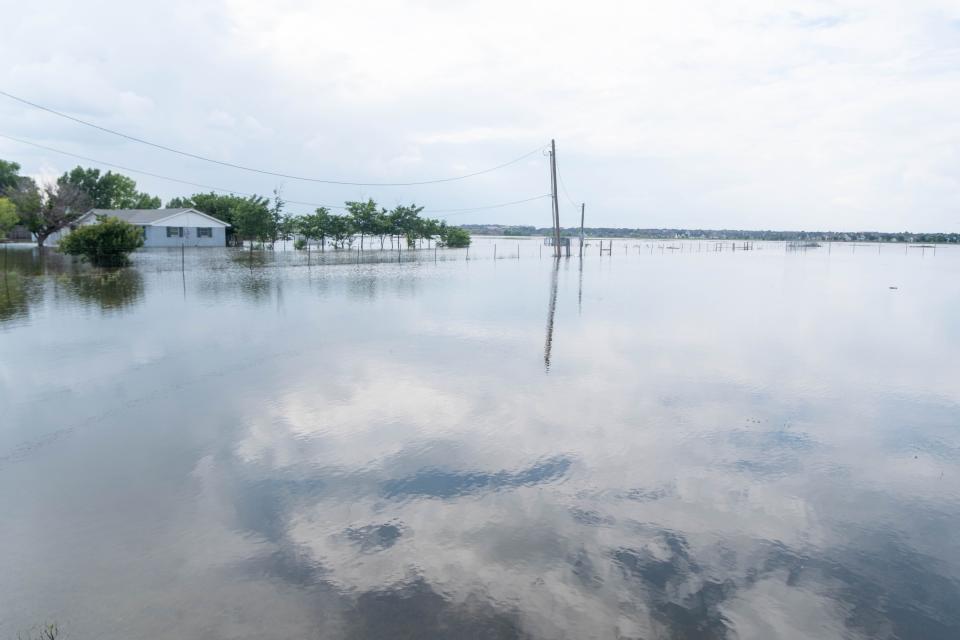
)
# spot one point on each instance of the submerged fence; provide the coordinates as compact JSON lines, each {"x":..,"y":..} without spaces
{"x":487,"y":248}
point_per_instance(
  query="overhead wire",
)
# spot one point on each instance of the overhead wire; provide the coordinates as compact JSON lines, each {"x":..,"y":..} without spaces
{"x":563,"y":186}
{"x":154,"y":175}
{"x":242,"y":193}
{"x":264,"y":171}
{"x":457,"y":212}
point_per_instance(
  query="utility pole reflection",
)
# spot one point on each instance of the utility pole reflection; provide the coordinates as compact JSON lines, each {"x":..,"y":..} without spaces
{"x":551,"y":310}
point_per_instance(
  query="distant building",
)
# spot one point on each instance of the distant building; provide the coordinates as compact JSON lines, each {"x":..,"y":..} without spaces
{"x":19,"y":234}
{"x":164,"y":227}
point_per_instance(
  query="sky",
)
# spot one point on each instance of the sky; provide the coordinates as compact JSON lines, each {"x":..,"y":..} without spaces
{"x":838,"y":115}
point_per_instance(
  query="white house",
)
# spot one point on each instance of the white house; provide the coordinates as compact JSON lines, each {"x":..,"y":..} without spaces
{"x":166,"y":227}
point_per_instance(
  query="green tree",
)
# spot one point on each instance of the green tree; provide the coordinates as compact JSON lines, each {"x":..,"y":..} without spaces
{"x":253,"y":220}
{"x":428,"y":229}
{"x":21,"y":194}
{"x":58,"y":205}
{"x":455,"y":238}
{"x":8,"y":220}
{"x":220,"y":206}
{"x":276,"y":215}
{"x":396,"y":220}
{"x":180,"y":202}
{"x":110,"y":190}
{"x":364,"y":215}
{"x":315,"y":226}
{"x":106,"y":243}
{"x":9,"y":176}
{"x":8,"y":216}
{"x":404,"y":221}
{"x":340,"y":230}
{"x":287,"y":226}
{"x":26,"y":198}
{"x":382,"y":225}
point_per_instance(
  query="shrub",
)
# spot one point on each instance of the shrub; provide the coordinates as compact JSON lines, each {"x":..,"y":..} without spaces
{"x":106,"y":243}
{"x":456,"y":238}
{"x":299,"y":244}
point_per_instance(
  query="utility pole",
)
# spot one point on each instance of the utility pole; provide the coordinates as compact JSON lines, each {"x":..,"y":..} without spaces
{"x":583,"y":206}
{"x":556,"y":203}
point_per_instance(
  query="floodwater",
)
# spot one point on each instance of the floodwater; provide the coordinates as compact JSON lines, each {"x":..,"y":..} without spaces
{"x":657,"y":443}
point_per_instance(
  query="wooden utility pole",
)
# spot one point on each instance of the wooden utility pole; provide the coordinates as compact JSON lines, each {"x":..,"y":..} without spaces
{"x":582,"y":207}
{"x":556,"y":203}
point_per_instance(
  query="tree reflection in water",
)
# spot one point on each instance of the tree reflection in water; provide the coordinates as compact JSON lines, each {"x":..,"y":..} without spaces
{"x":33,"y":275}
{"x":106,"y":289}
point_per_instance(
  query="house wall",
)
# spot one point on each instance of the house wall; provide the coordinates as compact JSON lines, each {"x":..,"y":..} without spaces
{"x":53,"y":239}
{"x":189,"y":219}
{"x":20,"y":234}
{"x":157,"y":237}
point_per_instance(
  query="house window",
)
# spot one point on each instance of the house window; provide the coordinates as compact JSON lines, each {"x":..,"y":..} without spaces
{"x":204,"y":232}
{"x":174,"y":232}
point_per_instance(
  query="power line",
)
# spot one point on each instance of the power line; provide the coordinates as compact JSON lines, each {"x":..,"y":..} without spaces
{"x":457,"y":212}
{"x":241,"y":193}
{"x":264,"y":171}
{"x":565,"y":192}
{"x":155,"y":175}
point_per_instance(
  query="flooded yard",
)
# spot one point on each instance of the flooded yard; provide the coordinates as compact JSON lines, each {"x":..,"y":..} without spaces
{"x":656,"y":443}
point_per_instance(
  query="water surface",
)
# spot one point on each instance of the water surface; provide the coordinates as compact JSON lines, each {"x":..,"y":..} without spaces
{"x":660,"y":443}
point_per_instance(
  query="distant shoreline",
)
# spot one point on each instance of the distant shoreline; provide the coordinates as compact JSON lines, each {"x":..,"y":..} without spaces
{"x":716,"y":234}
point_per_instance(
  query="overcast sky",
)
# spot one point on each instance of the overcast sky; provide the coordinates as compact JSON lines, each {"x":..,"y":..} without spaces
{"x":737,"y":114}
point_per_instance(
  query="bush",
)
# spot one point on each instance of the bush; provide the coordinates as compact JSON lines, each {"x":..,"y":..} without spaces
{"x":106,"y":243}
{"x":456,"y":238}
{"x":299,"y":244}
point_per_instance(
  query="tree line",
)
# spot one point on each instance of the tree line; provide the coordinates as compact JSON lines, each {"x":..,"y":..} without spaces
{"x":47,"y":208}
{"x":716,"y":234}
{"x":44,"y":209}
{"x":257,"y":219}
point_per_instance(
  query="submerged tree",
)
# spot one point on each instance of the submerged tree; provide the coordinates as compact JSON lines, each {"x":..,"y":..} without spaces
{"x":52,"y":208}
{"x":382,"y":225}
{"x":253,"y":220}
{"x":404,"y":221}
{"x":455,"y":237}
{"x":277,"y":217}
{"x":286,"y":228}
{"x":20,"y":191}
{"x":429,"y":229}
{"x":106,"y":243}
{"x":364,"y":218}
{"x":341,"y":230}
{"x":8,"y":220}
{"x":8,"y":216}
{"x":315,"y":226}
{"x":220,"y":206}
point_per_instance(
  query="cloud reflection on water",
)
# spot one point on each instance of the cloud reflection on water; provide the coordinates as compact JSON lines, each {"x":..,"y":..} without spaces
{"x":408,"y":468}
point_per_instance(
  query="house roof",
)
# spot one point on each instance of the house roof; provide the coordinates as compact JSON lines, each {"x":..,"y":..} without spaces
{"x":148,"y":216}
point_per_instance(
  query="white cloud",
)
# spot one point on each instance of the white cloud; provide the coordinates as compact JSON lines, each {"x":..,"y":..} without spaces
{"x":821,"y":114}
